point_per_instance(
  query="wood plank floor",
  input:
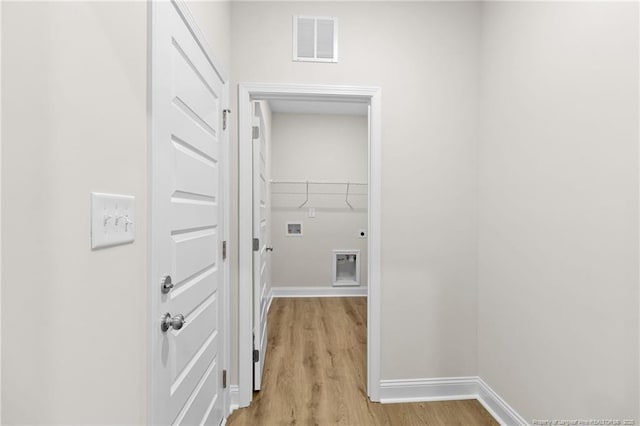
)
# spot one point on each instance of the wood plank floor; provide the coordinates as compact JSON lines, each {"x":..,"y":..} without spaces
{"x":315,"y":373}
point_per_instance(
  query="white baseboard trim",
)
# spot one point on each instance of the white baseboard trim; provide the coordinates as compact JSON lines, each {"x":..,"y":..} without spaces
{"x":448,"y":389}
{"x":318,"y":292}
{"x":497,"y":407}
{"x":234,"y":395}
{"x":423,"y":390}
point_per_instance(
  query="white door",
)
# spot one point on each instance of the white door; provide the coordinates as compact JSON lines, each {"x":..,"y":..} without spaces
{"x":260,"y":246}
{"x":186,"y":224}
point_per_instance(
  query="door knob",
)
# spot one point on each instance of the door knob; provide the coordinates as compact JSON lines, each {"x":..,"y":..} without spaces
{"x":176,"y":322}
{"x":166,"y":284}
{"x":269,"y":248}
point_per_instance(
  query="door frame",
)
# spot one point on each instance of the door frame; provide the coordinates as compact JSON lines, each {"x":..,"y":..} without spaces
{"x":371,"y":96}
{"x":152,"y":287}
{"x":0,"y":212}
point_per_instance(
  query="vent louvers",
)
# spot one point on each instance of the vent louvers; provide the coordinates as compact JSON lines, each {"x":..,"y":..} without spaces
{"x":315,"y":39}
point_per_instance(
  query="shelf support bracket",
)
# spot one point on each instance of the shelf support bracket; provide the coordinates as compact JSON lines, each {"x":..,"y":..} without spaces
{"x":307,"y":199}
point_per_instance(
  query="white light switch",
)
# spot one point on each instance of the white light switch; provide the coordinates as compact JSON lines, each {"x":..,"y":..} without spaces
{"x":112,"y":219}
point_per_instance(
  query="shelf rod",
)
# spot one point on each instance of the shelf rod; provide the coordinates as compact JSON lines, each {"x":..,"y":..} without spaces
{"x":316,"y":182}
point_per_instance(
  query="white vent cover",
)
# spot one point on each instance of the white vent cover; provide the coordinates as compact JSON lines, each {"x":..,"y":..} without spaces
{"x":315,"y":38}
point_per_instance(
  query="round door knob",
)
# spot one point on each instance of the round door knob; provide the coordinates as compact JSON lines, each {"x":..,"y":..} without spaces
{"x":176,"y":322}
{"x":166,"y":284}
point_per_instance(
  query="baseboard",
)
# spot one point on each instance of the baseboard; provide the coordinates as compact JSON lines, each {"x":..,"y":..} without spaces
{"x":234,"y":395}
{"x":423,"y":390}
{"x":497,"y":407}
{"x":448,"y":389}
{"x":319,"y":291}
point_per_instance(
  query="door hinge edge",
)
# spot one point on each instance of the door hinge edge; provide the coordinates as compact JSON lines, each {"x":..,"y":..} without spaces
{"x":225,"y":112}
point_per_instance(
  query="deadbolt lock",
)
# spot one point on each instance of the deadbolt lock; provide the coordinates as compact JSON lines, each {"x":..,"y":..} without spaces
{"x":166,"y":284}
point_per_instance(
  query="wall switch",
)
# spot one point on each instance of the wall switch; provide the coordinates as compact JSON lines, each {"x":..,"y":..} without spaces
{"x":112,"y":220}
{"x":312,"y":212}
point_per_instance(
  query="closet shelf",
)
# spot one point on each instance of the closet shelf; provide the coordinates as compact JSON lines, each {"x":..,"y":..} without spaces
{"x":320,"y":182}
{"x":316,"y":182}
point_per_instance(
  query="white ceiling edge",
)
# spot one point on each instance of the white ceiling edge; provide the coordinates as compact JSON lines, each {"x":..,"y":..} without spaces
{"x":415,"y":1}
{"x":369,"y":1}
{"x":287,"y":106}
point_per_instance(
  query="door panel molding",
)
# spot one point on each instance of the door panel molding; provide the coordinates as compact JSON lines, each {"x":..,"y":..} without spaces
{"x":260,"y":232}
{"x":188,"y":180}
{"x":247,"y":93}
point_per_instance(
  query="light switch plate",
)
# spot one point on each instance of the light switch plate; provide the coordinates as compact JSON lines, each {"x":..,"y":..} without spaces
{"x":112,"y":220}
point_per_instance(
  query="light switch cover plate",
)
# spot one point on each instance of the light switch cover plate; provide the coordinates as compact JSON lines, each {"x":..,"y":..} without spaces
{"x":112,"y":220}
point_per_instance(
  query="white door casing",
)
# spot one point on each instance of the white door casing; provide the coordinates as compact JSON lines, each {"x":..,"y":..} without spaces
{"x":260,"y":257}
{"x":186,"y":222}
{"x":0,"y":212}
{"x":247,"y":93}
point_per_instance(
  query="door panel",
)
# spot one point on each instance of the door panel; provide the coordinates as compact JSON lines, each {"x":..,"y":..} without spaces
{"x":260,"y":256}
{"x":194,"y":290}
{"x":195,"y":174}
{"x":193,"y":252}
{"x":186,"y":212}
{"x":189,"y":214}
{"x":200,"y":139}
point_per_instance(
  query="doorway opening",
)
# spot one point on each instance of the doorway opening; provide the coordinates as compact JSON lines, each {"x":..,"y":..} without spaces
{"x":310,"y":194}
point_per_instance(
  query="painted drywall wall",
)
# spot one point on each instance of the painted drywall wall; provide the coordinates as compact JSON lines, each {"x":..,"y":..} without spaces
{"x":318,"y":147}
{"x":558,"y":227}
{"x":74,"y":114}
{"x":424,"y":56}
{"x":74,"y":97}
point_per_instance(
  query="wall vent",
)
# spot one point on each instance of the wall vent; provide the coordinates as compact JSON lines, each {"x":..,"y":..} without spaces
{"x":315,"y":38}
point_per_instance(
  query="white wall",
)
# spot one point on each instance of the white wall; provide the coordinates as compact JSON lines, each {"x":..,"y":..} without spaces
{"x":558,"y":228}
{"x":424,"y":57}
{"x":74,"y":114}
{"x":74,"y":324}
{"x":324,"y":148}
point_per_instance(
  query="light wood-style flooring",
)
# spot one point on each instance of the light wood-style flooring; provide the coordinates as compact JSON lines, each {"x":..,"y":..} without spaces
{"x":315,"y":373}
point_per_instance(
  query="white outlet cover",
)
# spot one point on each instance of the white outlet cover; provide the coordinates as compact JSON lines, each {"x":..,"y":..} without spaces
{"x":112,"y":220}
